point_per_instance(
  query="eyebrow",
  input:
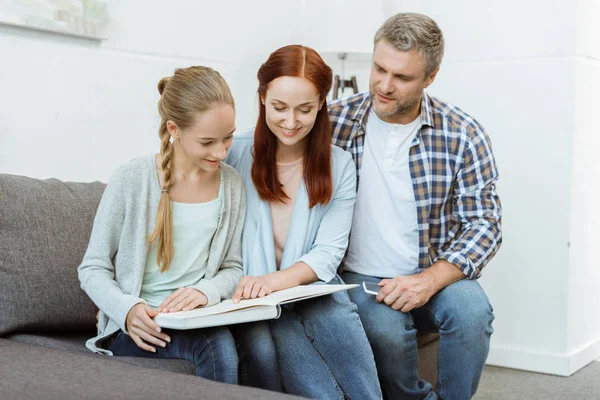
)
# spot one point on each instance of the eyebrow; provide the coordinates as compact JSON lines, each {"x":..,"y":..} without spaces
{"x":212,"y":138}
{"x":308,"y":103}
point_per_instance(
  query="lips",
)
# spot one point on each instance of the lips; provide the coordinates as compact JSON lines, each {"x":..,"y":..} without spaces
{"x":289,"y":132}
{"x":213,"y":162}
{"x":384,"y":99}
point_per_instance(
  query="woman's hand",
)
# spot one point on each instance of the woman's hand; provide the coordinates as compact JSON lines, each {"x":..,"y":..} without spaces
{"x":143,"y":330}
{"x":183,"y":299}
{"x":251,"y":287}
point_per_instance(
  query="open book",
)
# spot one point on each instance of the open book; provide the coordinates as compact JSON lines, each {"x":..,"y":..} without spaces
{"x":228,"y":313}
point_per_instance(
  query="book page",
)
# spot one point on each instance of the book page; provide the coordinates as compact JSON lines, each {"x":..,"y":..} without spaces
{"x":283,"y":296}
{"x":300,"y":292}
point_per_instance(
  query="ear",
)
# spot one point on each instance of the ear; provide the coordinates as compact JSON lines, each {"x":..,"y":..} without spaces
{"x":262,"y":100}
{"x":172,"y":129}
{"x":431,"y":77}
{"x":321,"y":105}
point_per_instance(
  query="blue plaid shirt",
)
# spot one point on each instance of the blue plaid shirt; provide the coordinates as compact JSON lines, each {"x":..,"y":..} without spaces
{"x":453,"y":176}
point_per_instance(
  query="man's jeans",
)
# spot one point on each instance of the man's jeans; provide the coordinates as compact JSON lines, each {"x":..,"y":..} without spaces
{"x":323,"y":351}
{"x":212,"y":350}
{"x":463,"y":316}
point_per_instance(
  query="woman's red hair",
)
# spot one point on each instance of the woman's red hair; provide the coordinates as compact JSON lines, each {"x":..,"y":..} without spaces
{"x":303,"y":62}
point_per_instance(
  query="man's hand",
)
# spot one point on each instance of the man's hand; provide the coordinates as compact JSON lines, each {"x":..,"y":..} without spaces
{"x":405,"y":293}
{"x":143,"y":330}
{"x":183,"y":299}
{"x":251,"y":287}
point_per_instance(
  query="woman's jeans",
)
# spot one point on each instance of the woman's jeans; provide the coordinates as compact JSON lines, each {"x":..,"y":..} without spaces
{"x":212,"y":350}
{"x":258,"y":359}
{"x":323,"y":351}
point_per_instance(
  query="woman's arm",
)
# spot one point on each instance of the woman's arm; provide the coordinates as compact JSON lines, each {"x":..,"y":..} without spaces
{"x":251,"y":287}
{"x":97,"y":272}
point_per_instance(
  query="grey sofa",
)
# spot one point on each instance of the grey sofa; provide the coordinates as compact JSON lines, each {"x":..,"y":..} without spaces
{"x":45,"y":317}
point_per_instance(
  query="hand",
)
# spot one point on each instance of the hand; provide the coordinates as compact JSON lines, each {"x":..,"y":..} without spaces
{"x":183,"y":299}
{"x":405,"y":293}
{"x":143,"y":330}
{"x":251,"y":287}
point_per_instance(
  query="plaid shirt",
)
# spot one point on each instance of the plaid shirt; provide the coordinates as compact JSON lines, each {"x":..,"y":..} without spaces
{"x":453,"y":176}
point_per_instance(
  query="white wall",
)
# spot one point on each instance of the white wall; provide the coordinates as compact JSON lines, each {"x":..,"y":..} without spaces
{"x":528,"y":71}
{"x":75,"y":108}
{"x":584,"y":274}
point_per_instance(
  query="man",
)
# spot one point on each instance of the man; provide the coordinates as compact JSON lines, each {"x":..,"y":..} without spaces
{"x":427,"y":216}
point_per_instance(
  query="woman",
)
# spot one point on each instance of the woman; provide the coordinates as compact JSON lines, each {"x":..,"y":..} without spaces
{"x":300,"y":199}
{"x":167,"y":232}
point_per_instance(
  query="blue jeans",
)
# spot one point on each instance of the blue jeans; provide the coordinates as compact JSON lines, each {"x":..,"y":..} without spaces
{"x":463,"y":316}
{"x":323,"y":351}
{"x":258,"y":358}
{"x":212,"y":350}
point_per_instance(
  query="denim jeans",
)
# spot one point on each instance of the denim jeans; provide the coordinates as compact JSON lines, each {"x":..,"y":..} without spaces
{"x":463,"y":316}
{"x":258,"y":358}
{"x":212,"y":350}
{"x":323,"y":351}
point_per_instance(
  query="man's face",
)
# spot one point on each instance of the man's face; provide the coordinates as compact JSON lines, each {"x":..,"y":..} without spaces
{"x":397,"y":82}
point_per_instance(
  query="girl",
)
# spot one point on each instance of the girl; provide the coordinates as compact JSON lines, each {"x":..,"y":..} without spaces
{"x":167,"y":232}
{"x":300,"y":196}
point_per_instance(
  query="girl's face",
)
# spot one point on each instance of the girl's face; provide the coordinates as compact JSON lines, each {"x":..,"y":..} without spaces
{"x":206,"y":141}
{"x":291,"y":106}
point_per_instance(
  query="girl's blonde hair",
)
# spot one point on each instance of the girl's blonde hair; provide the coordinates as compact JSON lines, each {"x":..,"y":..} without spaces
{"x":182,"y":96}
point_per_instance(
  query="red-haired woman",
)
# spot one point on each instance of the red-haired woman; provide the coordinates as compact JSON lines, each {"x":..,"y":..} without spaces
{"x":300,"y":198}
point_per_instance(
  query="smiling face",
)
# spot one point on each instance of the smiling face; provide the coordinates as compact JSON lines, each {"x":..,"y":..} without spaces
{"x":291,"y":106}
{"x":206,"y":141}
{"x":397,"y":82}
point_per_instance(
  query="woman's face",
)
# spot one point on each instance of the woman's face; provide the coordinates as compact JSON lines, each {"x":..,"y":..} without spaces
{"x":291,"y":106}
{"x":206,"y":141}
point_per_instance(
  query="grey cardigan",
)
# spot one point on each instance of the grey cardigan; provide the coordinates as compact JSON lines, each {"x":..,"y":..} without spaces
{"x":112,"y":269}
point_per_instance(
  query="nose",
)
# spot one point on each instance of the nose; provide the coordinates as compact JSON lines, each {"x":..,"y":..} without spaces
{"x":220,"y":152}
{"x":289,"y":121}
{"x":386,"y":85}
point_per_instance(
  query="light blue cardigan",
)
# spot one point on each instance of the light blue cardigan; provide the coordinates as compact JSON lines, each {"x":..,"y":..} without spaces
{"x":317,"y":236}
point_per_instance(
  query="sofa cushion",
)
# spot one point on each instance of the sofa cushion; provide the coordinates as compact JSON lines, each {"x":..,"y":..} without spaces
{"x":45,"y":227}
{"x":75,"y":343}
{"x":53,"y":374}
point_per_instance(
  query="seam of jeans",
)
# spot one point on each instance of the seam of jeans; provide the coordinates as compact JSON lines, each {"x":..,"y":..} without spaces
{"x":441,"y":339}
{"x":338,"y":388}
{"x":212,"y":356}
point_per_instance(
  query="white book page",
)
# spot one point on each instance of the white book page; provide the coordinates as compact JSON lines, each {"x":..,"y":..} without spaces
{"x":282,"y":296}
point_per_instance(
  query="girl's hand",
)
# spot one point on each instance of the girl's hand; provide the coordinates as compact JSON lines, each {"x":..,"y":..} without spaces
{"x":143,"y":330}
{"x":183,"y":299}
{"x":251,"y":287}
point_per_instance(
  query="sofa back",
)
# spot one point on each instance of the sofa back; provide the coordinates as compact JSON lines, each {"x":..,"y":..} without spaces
{"x":45,"y":227}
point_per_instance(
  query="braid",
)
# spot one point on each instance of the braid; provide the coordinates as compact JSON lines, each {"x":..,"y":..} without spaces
{"x":166,"y":151}
{"x":163,"y":232}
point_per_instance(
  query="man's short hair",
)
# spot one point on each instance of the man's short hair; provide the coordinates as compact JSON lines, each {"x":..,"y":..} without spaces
{"x":408,"y":31}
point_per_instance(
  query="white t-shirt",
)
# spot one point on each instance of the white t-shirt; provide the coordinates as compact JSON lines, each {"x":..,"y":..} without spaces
{"x":384,"y":240}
